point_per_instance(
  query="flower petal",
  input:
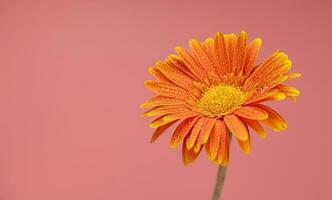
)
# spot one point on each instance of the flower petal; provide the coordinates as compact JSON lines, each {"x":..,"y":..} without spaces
{"x":191,"y":63}
{"x":251,"y":112}
{"x":245,"y":145}
{"x":221,"y":54}
{"x":197,"y":146}
{"x":236,"y":126}
{"x":225,"y":159}
{"x":256,"y":126}
{"x":251,"y":55}
{"x":270,"y":72}
{"x":201,"y":55}
{"x":279,"y":96}
{"x":293,"y":76}
{"x":274,"y":121}
{"x":166,"y":89}
{"x":175,"y":75}
{"x":206,"y":130}
{"x":239,"y":53}
{"x":162,"y":101}
{"x":188,"y":155}
{"x":223,"y":152}
{"x":276,"y":81}
{"x":270,"y":95}
{"x":182,"y":130}
{"x":177,"y":62}
{"x":212,"y":146}
{"x":164,"y":110}
{"x":158,"y":75}
{"x":192,"y":137}
{"x":209,"y":48}
{"x":175,"y":116}
{"x":159,"y":122}
{"x":287,"y":90}
{"x":171,"y":117}
{"x":160,"y":130}
{"x":230,"y":40}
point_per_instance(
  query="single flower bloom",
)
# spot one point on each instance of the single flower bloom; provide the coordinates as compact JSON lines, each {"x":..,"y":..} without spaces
{"x":216,"y":90}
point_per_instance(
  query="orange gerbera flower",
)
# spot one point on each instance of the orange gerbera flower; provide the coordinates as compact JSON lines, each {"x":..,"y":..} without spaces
{"x":216,"y":90}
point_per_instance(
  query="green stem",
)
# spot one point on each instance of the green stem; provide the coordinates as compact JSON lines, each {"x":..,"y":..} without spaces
{"x":220,"y":182}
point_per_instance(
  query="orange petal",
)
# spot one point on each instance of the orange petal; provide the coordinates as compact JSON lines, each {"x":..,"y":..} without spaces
{"x":195,"y":131}
{"x":225,"y":160}
{"x":214,"y":78}
{"x":270,"y":95}
{"x":188,"y":155}
{"x":261,"y":95}
{"x":251,"y":55}
{"x":162,"y":101}
{"x":287,"y":90}
{"x":293,"y":76}
{"x":256,"y":126}
{"x":274,"y":121}
{"x":270,"y":72}
{"x":191,"y":63}
{"x":159,"y":122}
{"x":178,"y":63}
{"x":251,"y":112}
{"x":166,"y":89}
{"x":212,"y":146}
{"x":206,"y":130}
{"x":245,"y":145}
{"x":176,"y":76}
{"x":197,"y":147}
{"x":169,"y":118}
{"x":276,"y":81}
{"x":182,"y":130}
{"x":201,"y":55}
{"x":278,"y":96}
{"x":164,"y":110}
{"x":239,"y":53}
{"x":230,"y":40}
{"x":158,"y":75}
{"x":237,"y":128}
{"x":223,"y":152}
{"x":160,"y":130}
{"x":175,"y":116}
{"x":209,"y":48}
{"x":221,"y":54}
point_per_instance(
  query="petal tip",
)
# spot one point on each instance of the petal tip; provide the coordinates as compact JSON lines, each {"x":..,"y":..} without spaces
{"x":243,"y":137}
{"x":143,"y":105}
{"x":152,"y":125}
{"x":147,"y":83}
{"x":298,"y":75}
{"x":218,"y":34}
{"x":259,"y":41}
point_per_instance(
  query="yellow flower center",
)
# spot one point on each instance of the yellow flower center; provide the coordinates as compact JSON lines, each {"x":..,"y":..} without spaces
{"x":221,"y":100}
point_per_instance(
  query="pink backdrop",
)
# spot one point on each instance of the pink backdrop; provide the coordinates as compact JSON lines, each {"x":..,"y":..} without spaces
{"x":71,"y":81}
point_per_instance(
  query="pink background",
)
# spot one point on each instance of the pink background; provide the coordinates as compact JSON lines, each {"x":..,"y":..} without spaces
{"x":71,"y":81}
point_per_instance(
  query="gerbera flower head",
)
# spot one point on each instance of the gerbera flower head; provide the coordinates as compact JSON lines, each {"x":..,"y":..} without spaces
{"x":216,"y":90}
